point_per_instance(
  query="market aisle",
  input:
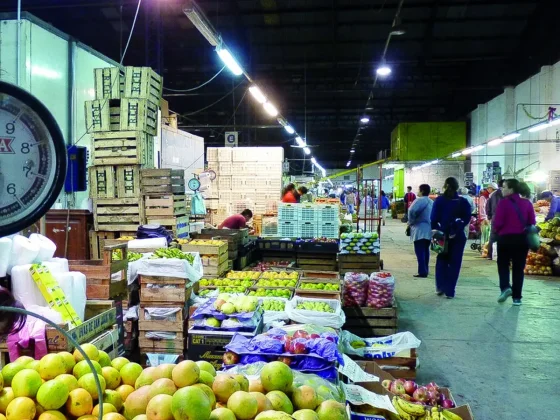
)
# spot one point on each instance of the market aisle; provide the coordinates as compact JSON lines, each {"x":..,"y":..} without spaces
{"x":490,"y":355}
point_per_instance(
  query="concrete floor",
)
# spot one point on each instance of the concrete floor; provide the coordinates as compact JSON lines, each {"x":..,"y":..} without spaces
{"x":502,"y":360}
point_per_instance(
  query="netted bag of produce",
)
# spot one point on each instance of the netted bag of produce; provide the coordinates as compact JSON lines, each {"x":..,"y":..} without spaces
{"x":381,"y":287}
{"x":355,"y":289}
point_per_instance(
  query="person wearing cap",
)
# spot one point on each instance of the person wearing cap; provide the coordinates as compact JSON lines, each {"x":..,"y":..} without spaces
{"x":491,"y":206}
{"x":554,"y":201}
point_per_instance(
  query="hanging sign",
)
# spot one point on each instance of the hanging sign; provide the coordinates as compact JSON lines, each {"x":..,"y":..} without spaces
{"x":231,"y":138}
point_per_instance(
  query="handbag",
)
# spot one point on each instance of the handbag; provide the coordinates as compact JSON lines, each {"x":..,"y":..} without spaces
{"x":531,"y":232}
{"x":407,"y":230}
{"x":440,"y":243}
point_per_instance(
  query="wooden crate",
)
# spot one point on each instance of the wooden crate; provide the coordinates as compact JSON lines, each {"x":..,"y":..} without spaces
{"x":143,"y":83}
{"x":97,"y":242}
{"x":206,"y":249}
{"x":368,"y":263}
{"x":118,"y":214}
{"x":402,"y":365}
{"x":319,"y":294}
{"x":169,"y":205}
{"x":138,"y":115}
{"x":114,"y":181}
{"x":162,"y":356}
{"x":317,"y":274}
{"x":217,"y":270}
{"x":162,"y":181}
{"x":102,"y":115}
{"x":212,"y":260}
{"x":178,"y":225}
{"x":123,"y":148}
{"x":174,"y":325}
{"x":168,"y":290}
{"x":108,"y":83}
{"x":317,"y":262}
{"x":148,"y":344}
{"x":371,"y":322}
{"x":99,"y":273}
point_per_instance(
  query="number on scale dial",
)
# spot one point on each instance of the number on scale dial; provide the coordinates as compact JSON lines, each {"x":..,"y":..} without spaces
{"x":32,"y":159}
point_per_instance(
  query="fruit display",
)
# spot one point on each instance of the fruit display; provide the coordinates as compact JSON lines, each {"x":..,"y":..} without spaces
{"x":280,"y":275}
{"x":315,"y":306}
{"x":320,"y":286}
{"x":274,"y":292}
{"x":276,"y":283}
{"x":127,"y":238}
{"x":244,"y":275}
{"x":321,"y":240}
{"x":205,"y":291}
{"x":550,"y":229}
{"x":355,"y":289}
{"x":225,"y":282}
{"x":172,"y":253}
{"x":276,"y":305}
{"x":134,"y":256}
{"x":538,"y":264}
{"x":212,"y":242}
{"x":228,"y":304}
{"x":409,"y":410}
{"x":410,"y":391}
{"x":359,"y":243}
{"x":381,"y":287}
{"x":269,"y":265}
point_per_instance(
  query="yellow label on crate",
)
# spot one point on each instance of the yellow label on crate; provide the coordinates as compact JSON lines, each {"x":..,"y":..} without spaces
{"x":53,"y":294}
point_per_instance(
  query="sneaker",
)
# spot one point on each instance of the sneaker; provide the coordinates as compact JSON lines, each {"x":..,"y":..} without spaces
{"x":516,"y":302}
{"x":439,"y":293}
{"x":418,"y":276}
{"x":450,"y":297}
{"x":504,"y":295}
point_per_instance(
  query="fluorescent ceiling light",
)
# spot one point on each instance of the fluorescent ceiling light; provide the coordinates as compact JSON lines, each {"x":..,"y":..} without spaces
{"x":477,"y":148}
{"x":538,"y":176}
{"x":307,"y":150}
{"x":352,"y":150}
{"x":300,"y":141}
{"x":467,"y":151}
{"x":415,"y":168}
{"x":348,"y":164}
{"x":496,"y":142}
{"x":456,"y":155}
{"x":314,"y":161}
{"x":383,"y":70}
{"x":511,"y":136}
{"x":364,"y":120}
{"x":538,"y":127}
{"x":270,"y":109}
{"x":324,"y":172}
{"x":258,"y":95}
{"x":229,"y":61}
{"x":289,"y":129}
{"x":199,"y":20}
{"x":555,"y":121}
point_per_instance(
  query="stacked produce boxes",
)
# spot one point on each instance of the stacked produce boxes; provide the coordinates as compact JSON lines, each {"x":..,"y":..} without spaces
{"x":308,"y":220}
{"x":122,"y":121}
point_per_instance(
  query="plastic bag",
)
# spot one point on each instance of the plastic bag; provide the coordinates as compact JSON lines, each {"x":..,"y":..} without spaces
{"x":335,"y":319}
{"x":378,"y":347}
{"x":197,"y":205}
{"x":355,"y":289}
{"x":381,"y":288}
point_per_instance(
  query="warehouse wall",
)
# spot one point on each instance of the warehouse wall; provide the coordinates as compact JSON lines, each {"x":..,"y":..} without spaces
{"x":504,"y":114}
{"x":433,"y":175}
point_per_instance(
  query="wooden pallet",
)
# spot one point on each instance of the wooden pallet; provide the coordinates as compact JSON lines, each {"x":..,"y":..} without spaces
{"x":170,"y":205}
{"x":178,"y":225}
{"x":108,"y":83}
{"x":118,"y":214}
{"x":150,"y":344}
{"x":173,"y":324}
{"x":368,"y":263}
{"x":138,"y":115}
{"x":123,"y":148}
{"x":167,"y":290}
{"x":162,"y":181}
{"x":371,"y":322}
{"x":317,"y":262}
{"x":143,"y":83}
{"x":114,"y":181}
{"x":102,"y":115}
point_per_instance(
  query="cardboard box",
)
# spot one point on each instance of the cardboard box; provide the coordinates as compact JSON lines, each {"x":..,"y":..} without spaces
{"x":108,"y":341}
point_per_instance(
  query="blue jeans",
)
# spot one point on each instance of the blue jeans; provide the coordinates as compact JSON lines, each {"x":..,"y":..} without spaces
{"x":422,"y":250}
{"x":448,"y":266}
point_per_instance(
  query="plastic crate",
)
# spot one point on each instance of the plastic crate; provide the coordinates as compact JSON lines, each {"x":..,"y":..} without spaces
{"x":214,"y":165}
{"x":329,"y":213}
{"x":225,"y":196}
{"x":307,"y":229}
{"x":274,"y":183}
{"x":307,"y":212}
{"x":271,"y":207}
{"x":237,"y":206}
{"x":287,"y":212}
{"x":224,"y":208}
{"x":328,"y":230}
{"x":271,"y":168}
{"x":269,"y":196}
{"x":225,"y":183}
{"x":269,"y":227}
{"x":245,"y":154}
{"x":225,"y":154}
{"x":260,"y":208}
{"x":288,"y":229}
{"x":224,"y":168}
{"x":212,"y":154}
{"x":250,"y":168}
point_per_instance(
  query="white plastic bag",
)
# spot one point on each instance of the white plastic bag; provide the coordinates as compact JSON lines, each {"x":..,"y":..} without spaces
{"x":335,"y":319}
{"x":379,"y":347}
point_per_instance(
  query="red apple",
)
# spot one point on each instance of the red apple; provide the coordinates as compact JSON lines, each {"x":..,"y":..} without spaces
{"x":301,"y":334}
{"x":314,"y":336}
{"x":287,"y":343}
{"x":410,"y":387}
{"x":230,"y":358}
{"x":397,"y":388}
{"x":420,"y":394}
{"x":285,"y":360}
{"x":447,"y":404}
{"x":386,"y":384}
{"x":298,"y":348}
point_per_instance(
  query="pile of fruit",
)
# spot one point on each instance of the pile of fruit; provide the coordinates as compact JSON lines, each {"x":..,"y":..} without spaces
{"x":355,"y":289}
{"x":277,"y":292}
{"x":551,"y":229}
{"x":274,"y":305}
{"x":280,"y":275}
{"x":205,"y":242}
{"x":265,"y":266}
{"x":225,"y":282}
{"x":381,"y":287}
{"x":315,"y":306}
{"x":61,"y":386}
{"x":409,"y":410}
{"x":222,"y":289}
{"x":321,"y":240}
{"x":172,"y":253}
{"x":538,"y":264}
{"x":320,"y":286}
{"x":182,"y":241}
{"x":276,"y":283}
{"x":228,"y":304}
{"x":359,"y":243}
{"x":244,"y":275}
{"x":430,"y":395}
{"x":134,"y":256}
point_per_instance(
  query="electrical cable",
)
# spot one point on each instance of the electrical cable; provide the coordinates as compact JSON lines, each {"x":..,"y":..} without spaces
{"x":131,"y":31}
{"x":197,"y":87}
{"x":213,"y":103}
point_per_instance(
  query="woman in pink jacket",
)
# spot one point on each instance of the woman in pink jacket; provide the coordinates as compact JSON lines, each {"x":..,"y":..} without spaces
{"x":513,"y":215}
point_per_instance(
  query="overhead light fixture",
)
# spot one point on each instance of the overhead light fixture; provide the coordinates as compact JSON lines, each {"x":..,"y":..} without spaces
{"x":257,"y":94}
{"x":554,"y":122}
{"x":472,"y":150}
{"x":289,"y":129}
{"x":383,"y":69}
{"x":201,"y":22}
{"x":397,"y":29}
{"x":323,"y":172}
{"x":229,"y":61}
{"x":364,"y":119}
{"x":352,"y":150}
{"x":270,"y":109}
{"x":511,"y":136}
{"x":538,"y":127}
{"x":348,"y":164}
{"x":538,"y":176}
{"x":455,"y":155}
{"x":415,"y":168}
{"x":496,"y":142}
{"x":300,"y":141}
{"x":314,"y":161}
{"x":307,"y":150}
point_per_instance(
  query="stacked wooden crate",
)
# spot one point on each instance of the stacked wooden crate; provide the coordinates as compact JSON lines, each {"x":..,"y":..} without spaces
{"x":213,"y":253}
{"x":163,"y":193}
{"x":122,"y":121}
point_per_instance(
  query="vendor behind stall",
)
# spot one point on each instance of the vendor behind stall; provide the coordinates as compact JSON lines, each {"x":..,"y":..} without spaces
{"x":237,"y":221}
{"x":554,"y":204}
{"x":10,"y":322}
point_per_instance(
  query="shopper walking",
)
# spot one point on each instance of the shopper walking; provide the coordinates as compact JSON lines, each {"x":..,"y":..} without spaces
{"x":350,"y":201}
{"x":385,"y":204}
{"x":513,"y":214}
{"x":409,"y":198}
{"x":491,"y":205}
{"x":289,"y":194}
{"x":420,"y":228}
{"x":450,"y":215}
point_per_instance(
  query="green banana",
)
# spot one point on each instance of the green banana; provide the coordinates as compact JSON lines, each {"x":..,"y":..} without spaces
{"x":404,"y":415}
{"x":358,"y":344}
{"x":448,"y":415}
{"x":436,"y":414}
{"x":411,"y":408}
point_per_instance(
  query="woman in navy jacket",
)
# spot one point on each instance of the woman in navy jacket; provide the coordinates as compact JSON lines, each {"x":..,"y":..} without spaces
{"x":450,"y":214}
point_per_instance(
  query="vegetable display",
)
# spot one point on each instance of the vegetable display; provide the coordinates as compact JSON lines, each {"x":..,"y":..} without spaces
{"x":172,"y":253}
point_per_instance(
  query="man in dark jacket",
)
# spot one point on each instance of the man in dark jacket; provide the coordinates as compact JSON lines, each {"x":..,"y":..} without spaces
{"x":491,"y":206}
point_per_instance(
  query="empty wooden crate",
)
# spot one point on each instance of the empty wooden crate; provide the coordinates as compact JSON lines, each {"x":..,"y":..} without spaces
{"x":163,"y":290}
{"x":114,"y":181}
{"x":123,"y":148}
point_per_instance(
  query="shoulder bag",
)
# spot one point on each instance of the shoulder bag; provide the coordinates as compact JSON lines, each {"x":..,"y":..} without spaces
{"x":440,"y":241}
{"x":531,"y":232}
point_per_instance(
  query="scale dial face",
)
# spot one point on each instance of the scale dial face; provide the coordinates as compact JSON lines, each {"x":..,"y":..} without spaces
{"x":32,"y":159}
{"x":194,"y":184}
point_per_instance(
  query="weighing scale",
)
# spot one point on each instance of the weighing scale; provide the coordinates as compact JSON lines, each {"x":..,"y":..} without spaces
{"x":32,"y":159}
